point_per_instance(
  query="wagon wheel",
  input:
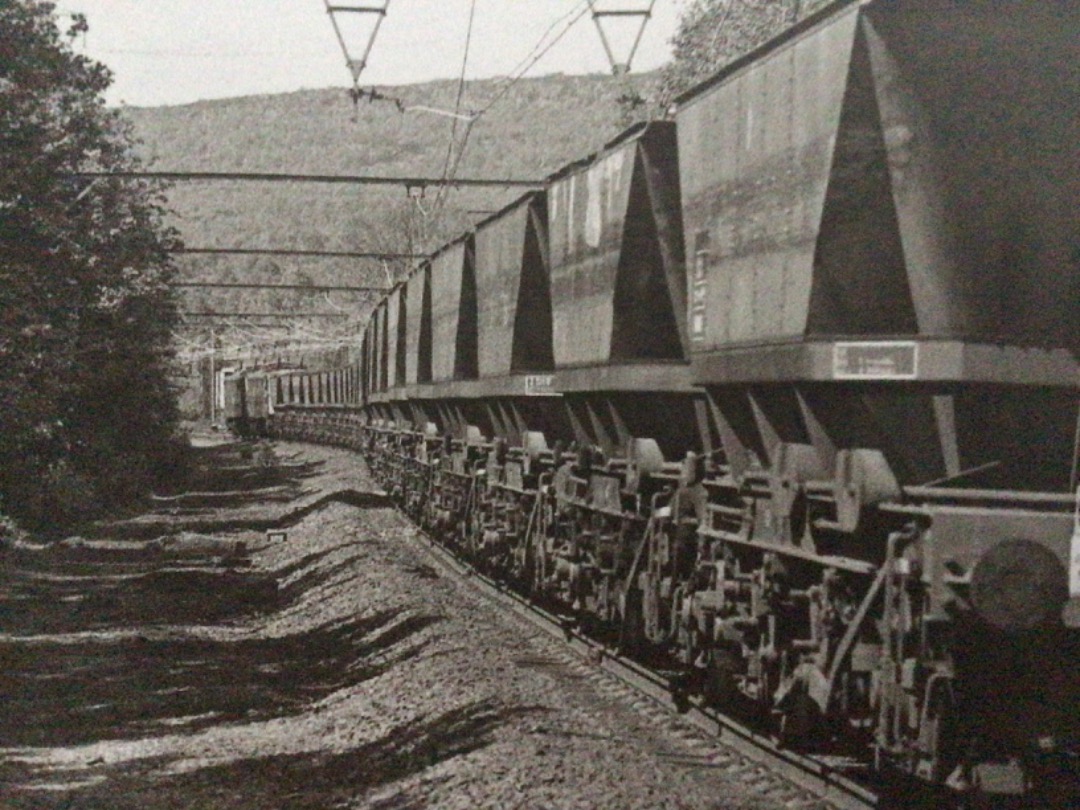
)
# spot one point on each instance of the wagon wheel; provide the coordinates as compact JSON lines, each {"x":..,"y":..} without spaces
{"x":526,"y":558}
{"x":721,"y":687}
{"x":428,"y":517}
{"x":631,"y":628}
{"x":690,"y":647}
{"x":799,"y":722}
{"x":428,"y":499}
{"x":474,"y":524}
{"x":939,"y":730}
{"x":652,"y":621}
{"x":764,"y":702}
{"x":537,"y":545}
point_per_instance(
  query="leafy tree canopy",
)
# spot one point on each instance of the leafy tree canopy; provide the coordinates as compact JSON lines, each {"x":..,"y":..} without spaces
{"x":713,"y":33}
{"x":86,"y":415}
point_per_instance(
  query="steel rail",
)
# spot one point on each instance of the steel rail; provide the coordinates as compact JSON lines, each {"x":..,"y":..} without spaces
{"x":814,"y":775}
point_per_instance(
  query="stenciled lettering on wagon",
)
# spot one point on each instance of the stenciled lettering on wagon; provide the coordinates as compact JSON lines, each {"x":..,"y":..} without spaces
{"x":876,"y":360}
{"x":538,"y":384}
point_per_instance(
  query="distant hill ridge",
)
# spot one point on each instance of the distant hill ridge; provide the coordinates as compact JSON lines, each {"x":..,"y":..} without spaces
{"x":537,"y":125}
{"x":532,"y":129}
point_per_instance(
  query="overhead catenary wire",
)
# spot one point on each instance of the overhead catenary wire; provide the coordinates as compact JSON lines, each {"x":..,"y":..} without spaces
{"x":441,"y":195}
{"x":457,"y":161}
{"x":538,"y":53}
{"x":239,"y":285}
{"x":539,"y":50}
{"x":453,"y":157}
{"x":460,"y":88}
{"x":573,"y":10}
{"x":574,"y":15}
{"x":280,"y":177}
{"x":314,"y":254}
{"x":215,"y":314}
{"x":535,"y":55}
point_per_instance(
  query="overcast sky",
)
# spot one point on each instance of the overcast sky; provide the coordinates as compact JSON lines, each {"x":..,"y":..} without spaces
{"x":178,"y":51}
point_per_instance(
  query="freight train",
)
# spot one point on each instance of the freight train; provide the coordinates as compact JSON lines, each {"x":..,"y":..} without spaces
{"x":786,"y":388}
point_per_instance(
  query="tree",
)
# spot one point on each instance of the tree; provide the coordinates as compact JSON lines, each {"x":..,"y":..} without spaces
{"x":86,"y":415}
{"x":713,"y":33}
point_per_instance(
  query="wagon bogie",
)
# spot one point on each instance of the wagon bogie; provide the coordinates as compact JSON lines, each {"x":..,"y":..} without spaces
{"x":784,"y":392}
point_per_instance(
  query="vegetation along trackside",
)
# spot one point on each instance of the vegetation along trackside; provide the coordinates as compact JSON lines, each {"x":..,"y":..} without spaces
{"x":86,"y":414}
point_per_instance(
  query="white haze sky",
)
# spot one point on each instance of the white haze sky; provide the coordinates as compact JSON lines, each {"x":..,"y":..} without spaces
{"x":178,"y":51}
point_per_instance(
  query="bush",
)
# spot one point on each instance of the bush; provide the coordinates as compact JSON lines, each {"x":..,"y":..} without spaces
{"x":87,"y":312}
{"x":713,"y":33}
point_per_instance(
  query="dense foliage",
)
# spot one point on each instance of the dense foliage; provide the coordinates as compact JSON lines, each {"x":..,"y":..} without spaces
{"x":86,"y":413}
{"x":713,"y":33}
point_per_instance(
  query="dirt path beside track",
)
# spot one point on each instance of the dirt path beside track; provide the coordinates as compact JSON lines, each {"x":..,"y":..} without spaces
{"x":337,"y":669}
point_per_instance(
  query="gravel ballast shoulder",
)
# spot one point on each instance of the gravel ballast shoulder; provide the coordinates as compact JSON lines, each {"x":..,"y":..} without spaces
{"x":371,"y":680}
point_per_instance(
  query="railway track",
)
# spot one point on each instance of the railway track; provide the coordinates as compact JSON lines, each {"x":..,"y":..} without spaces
{"x":814,"y":437}
{"x":721,"y":740}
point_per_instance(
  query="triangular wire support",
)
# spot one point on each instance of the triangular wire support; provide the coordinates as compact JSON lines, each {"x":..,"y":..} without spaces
{"x":356,"y":66}
{"x":618,"y":68}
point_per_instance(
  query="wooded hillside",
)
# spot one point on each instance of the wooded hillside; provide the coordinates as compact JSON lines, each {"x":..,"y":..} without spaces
{"x":533,"y":129}
{"x":528,"y":130}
